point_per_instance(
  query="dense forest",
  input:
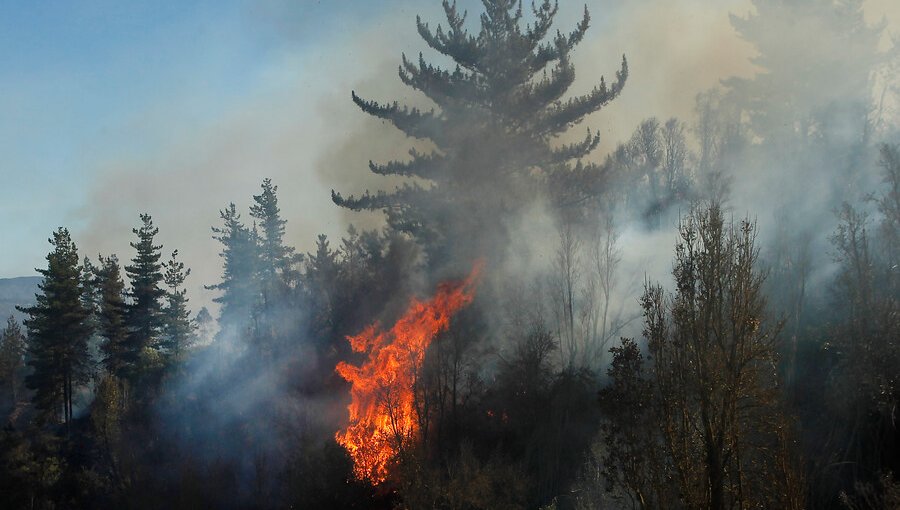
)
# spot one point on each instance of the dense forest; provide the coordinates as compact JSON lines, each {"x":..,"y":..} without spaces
{"x":505,"y":339}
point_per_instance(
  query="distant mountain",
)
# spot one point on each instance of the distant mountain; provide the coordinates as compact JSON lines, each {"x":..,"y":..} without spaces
{"x":16,"y":291}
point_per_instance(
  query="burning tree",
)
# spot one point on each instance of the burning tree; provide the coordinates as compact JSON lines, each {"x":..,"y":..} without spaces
{"x":498,"y":113}
{"x":383,"y":416}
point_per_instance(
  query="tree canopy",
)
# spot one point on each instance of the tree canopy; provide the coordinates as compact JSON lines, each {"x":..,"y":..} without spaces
{"x":498,"y":113}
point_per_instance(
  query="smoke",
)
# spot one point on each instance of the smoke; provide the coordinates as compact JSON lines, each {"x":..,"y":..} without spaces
{"x":298,"y":126}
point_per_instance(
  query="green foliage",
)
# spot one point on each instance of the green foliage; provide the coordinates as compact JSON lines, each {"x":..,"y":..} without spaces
{"x":58,"y":332}
{"x":108,"y":412}
{"x":112,"y":315}
{"x":144,"y":314}
{"x":12,"y":357}
{"x":276,"y":274}
{"x":239,"y":285}
{"x":276,"y":259}
{"x":499,"y":110}
{"x":178,"y":328}
{"x":630,"y":459}
{"x":30,"y":469}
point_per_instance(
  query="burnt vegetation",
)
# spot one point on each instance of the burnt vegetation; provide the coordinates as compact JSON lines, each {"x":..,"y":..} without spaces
{"x":762,"y":372}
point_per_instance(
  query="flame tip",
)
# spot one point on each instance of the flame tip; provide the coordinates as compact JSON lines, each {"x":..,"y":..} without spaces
{"x":382,"y":413}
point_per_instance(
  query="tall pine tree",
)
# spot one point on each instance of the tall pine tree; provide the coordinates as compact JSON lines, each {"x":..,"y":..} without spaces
{"x":276,"y":271}
{"x":500,"y":112}
{"x":112,"y":313}
{"x":58,"y":332}
{"x":275,"y":258}
{"x":178,"y":328}
{"x":12,"y":357}
{"x":240,"y":284}
{"x":144,"y":317}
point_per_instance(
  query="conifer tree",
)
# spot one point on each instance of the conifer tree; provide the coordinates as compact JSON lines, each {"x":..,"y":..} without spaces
{"x":320,"y":280}
{"x":112,"y":315}
{"x":12,"y":356}
{"x":178,"y":328}
{"x":808,"y":90}
{"x":811,"y":111}
{"x":498,"y":113}
{"x":90,"y":296}
{"x":276,"y":273}
{"x":58,"y":332}
{"x":274,"y":257}
{"x":144,"y":317}
{"x":240,"y":284}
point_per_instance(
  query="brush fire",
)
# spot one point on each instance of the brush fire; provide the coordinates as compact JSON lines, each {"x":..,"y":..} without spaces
{"x":383,"y":419}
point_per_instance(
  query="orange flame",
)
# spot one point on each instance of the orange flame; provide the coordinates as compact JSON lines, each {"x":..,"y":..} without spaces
{"x":383,"y":417}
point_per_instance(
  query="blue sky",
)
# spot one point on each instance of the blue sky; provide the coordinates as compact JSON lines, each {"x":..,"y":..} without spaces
{"x":74,"y":73}
{"x":95,"y":92}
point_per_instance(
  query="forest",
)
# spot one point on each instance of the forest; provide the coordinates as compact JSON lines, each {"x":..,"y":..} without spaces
{"x":705,"y":316}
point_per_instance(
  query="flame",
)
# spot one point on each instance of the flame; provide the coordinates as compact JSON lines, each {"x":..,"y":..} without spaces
{"x":383,"y":418}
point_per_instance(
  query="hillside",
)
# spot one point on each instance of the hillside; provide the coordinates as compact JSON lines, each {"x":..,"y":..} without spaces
{"x":16,"y":291}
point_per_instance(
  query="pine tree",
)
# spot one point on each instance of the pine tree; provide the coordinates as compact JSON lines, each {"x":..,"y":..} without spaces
{"x":12,"y":356}
{"x":275,"y":258}
{"x":240,"y":283}
{"x":204,"y":322}
{"x":91,"y":294}
{"x":144,"y":317}
{"x":808,"y":90}
{"x":499,"y":111}
{"x":277,"y":276}
{"x":112,"y":315}
{"x":58,"y":332}
{"x":811,"y":111}
{"x":320,"y":280}
{"x":178,"y":328}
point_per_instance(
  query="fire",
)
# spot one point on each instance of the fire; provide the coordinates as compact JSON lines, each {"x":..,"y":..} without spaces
{"x":383,"y":417}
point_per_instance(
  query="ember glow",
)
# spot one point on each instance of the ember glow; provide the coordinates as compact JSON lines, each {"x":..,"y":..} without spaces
{"x":383,"y":418}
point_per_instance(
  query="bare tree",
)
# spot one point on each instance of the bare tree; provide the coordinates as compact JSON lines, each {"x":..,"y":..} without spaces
{"x":720,"y":137}
{"x":565,"y":282}
{"x":583,"y":280}
{"x":603,"y":260}
{"x":714,"y":357}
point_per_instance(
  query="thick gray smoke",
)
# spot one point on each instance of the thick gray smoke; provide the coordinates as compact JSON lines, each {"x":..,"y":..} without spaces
{"x":677,"y":52}
{"x":300,"y":128}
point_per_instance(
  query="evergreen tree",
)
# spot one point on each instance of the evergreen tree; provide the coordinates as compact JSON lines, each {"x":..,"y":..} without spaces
{"x":58,"y":332}
{"x":144,"y":317}
{"x":811,"y":109}
{"x":275,"y":259}
{"x":204,"y":322}
{"x":178,"y":328}
{"x":499,"y":110}
{"x":12,"y":357}
{"x":91,"y":293}
{"x":320,"y":279}
{"x":239,"y":285}
{"x":808,"y":90}
{"x":276,"y":274}
{"x":112,"y":315}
